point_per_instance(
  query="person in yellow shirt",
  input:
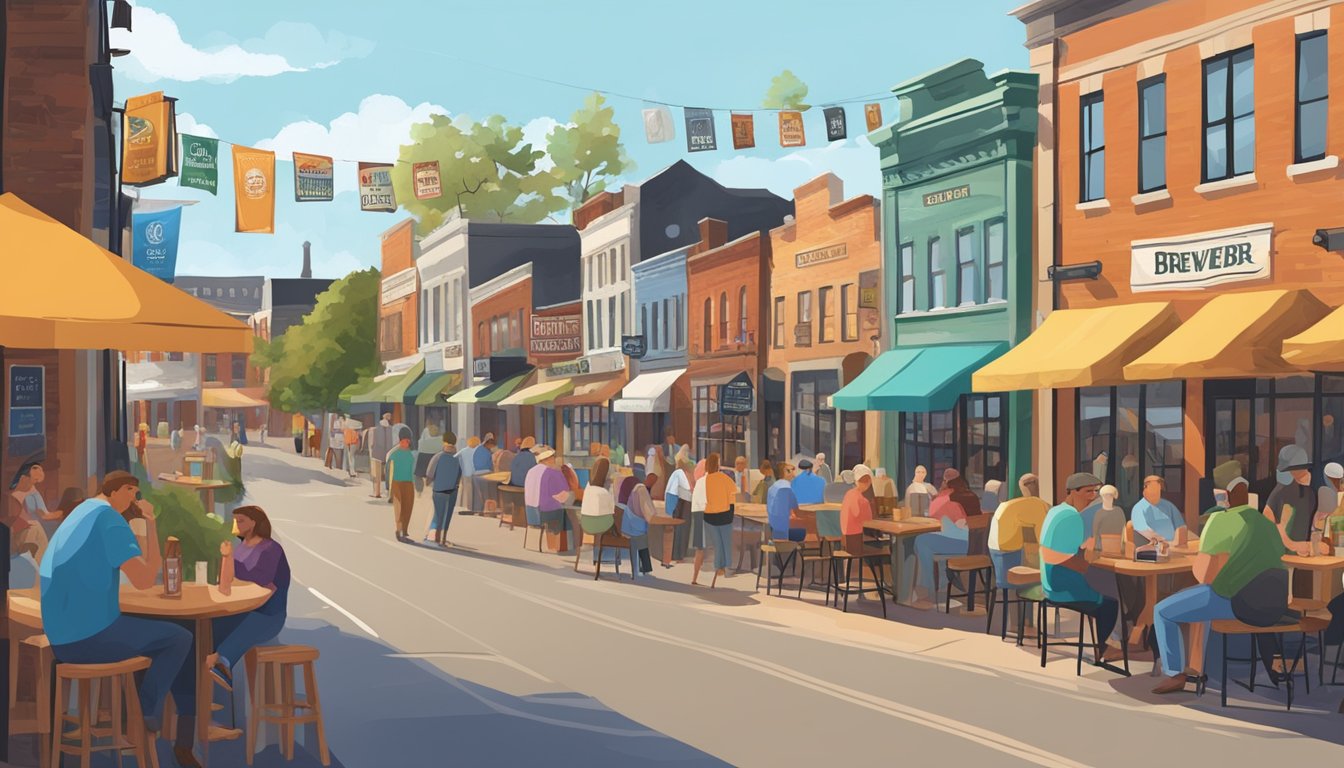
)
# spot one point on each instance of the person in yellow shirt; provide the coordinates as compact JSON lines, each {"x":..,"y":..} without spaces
{"x":1005,"y":530}
{"x":720,"y":501}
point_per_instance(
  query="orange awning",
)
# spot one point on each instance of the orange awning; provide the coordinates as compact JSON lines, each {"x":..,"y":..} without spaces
{"x":229,"y":397}
{"x":593,"y":392}
{"x":66,"y":292}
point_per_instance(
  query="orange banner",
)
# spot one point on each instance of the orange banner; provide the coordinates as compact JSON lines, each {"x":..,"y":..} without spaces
{"x":791,"y":129}
{"x":253,"y":190}
{"x":744,"y":132}
{"x":146,"y":140}
{"x":872,"y":113}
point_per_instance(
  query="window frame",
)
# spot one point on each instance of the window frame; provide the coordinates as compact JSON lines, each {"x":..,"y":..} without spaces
{"x":742,"y":318}
{"x":849,"y":312}
{"x":1144,"y":85}
{"x":1085,"y":153}
{"x":1229,"y":119}
{"x":778,"y":338}
{"x":906,"y":278}
{"x":966,"y":234}
{"x":1001,"y":266}
{"x":1298,"y":103}
{"x":937,"y":272}
{"x":825,"y":313}
{"x":708,"y":328}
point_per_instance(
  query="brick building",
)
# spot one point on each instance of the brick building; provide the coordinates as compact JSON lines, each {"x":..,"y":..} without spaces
{"x":399,"y":308}
{"x":1188,"y":154}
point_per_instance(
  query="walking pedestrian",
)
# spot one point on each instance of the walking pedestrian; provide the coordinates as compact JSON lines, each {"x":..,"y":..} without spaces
{"x":351,"y":445}
{"x":720,"y":500}
{"x":401,"y":468}
{"x":380,"y":444}
{"x":444,"y":476}
{"x":467,"y":457}
{"x":431,"y":441}
{"x":677,"y":503}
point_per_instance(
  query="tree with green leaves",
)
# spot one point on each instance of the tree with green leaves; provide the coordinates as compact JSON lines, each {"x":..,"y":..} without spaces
{"x":786,"y":92}
{"x":587,"y":153}
{"x":486,"y":171}
{"x":335,"y":346}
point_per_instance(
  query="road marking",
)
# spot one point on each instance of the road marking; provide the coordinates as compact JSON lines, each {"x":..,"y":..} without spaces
{"x":316,"y":525}
{"x":344,"y":612}
{"x":958,"y":728}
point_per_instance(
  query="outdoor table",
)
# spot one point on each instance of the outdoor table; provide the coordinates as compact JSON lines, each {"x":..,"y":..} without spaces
{"x":207,"y":488}
{"x":498,"y":478}
{"x":1148,"y":572}
{"x":1322,"y":568}
{"x":750,"y":512}
{"x":200,"y":604}
{"x":902,"y":535}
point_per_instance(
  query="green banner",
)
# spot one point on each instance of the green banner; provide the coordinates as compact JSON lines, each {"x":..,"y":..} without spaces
{"x":200,"y":163}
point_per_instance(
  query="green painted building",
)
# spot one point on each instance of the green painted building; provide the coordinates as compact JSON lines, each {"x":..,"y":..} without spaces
{"x":957,"y":274}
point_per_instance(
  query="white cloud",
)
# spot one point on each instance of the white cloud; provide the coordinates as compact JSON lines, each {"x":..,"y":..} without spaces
{"x":372,"y":134}
{"x":186,"y":123}
{"x":535,"y":133}
{"x":854,"y":160}
{"x":158,"y":51}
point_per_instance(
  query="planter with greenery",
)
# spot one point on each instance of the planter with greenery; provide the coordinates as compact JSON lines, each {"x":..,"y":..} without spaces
{"x":180,"y":513}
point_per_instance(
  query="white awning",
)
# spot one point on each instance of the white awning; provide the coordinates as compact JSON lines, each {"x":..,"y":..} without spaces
{"x":163,"y":380}
{"x":649,"y":392}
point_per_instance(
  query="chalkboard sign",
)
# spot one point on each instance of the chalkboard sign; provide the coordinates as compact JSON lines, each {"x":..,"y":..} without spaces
{"x":634,"y":346}
{"x":27,"y":400}
{"x":737,"y":397}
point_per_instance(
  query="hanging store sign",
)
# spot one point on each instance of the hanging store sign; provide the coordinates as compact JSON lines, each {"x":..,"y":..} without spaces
{"x":154,"y":241}
{"x":869,"y":289}
{"x":836,"y":126}
{"x":398,"y":285}
{"x":253,"y":190}
{"x":737,"y":397}
{"x":658,"y":127}
{"x":375,"y":188}
{"x":314,"y":178}
{"x":480,"y":368}
{"x":821,"y":255}
{"x":634,"y":346}
{"x":27,"y":400}
{"x":947,"y":195}
{"x":1200,"y":260}
{"x":744,"y":131}
{"x":428,"y":183}
{"x":872,"y":116}
{"x":200,"y":163}
{"x":791,"y":129}
{"x":700,"y":130}
{"x":561,"y":335}
{"x":149,"y":141}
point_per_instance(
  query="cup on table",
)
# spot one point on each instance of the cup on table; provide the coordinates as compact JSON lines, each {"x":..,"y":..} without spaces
{"x":202,"y":569}
{"x":1315,"y":543}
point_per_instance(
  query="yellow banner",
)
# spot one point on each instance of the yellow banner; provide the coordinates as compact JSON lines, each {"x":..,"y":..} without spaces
{"x":145,"y":140}
{"x":254,"y":190}
{"x":791,"y":129}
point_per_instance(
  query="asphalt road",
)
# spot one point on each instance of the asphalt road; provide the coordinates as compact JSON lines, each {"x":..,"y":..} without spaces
{"x":663,"y":671}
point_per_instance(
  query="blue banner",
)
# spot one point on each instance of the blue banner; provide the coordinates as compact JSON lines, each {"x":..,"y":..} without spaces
{"x":154,"y":241}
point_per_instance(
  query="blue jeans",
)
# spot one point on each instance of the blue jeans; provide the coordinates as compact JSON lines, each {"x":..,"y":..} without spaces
{"x":721,"y":538}
{"x":236,"y":635}
{"x":168,"y":647}
{"x":1003,"y":562}
{"x":1196,"y":605}
{"x":444,"y":502}
{"x":928,"y":545}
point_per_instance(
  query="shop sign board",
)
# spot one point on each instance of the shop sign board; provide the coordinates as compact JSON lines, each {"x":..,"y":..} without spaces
{"x":737,"y":397}
{"x":634,"y":346}
{"x":560,"y":335}
{"x":1200,"y":260}
{"x":947,"y":195}
{"x":821,"y":255}
{"x":27,"y":400}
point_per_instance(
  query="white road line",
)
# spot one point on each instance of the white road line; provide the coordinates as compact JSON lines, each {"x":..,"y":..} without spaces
{"x":950,"y":726}
{"x":344,"y":612}
{"x":316,"y":525}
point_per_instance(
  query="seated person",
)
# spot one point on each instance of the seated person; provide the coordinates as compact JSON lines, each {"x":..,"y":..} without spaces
{"x":781,"y":507}
{"x":1064,"y":567}
{"x":1240,"y":555}
{"x":260,"y":559}
{"x":547,"y":491}
{"x":523,"y":463}
{"x":807,"y":486}
{"x":953,"y":539}
{"x":762,"y":489}
{"x":634,"y":497}
{"x":1108,"y":522}
{"x":1010,"y":519}
{"x":1156,"y":519}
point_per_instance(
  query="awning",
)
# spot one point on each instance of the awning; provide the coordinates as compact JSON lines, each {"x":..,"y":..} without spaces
{"x":395,"y":387}
{"x":649,"y":392}
{"x":1320,"y":347}
{"x":538,"y":394}
{"x":429,"y":388}
{"x":359,"y":389}
{"x":229,"y":397}
{"x":163,"y":380}
{"x":918,"y":379}
{"x":1234,"y":335}
{"x":592,"y":393}
{"x":1079,"y":348}
{"x":66,"y":292}
{"x":496,"y":392}
{"x":468,"y":395}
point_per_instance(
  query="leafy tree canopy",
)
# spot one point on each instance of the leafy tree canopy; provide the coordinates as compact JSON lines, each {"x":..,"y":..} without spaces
{"x":786,"y":92}
{"x":587,"y":153}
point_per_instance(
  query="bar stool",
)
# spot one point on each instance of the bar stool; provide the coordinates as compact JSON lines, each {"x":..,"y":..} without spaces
{"x":1010,"y":586}
{"x":37,"y":720}
{"x":88,"y":719}
{"x":511,"y":504}
{"x":277,"y":663}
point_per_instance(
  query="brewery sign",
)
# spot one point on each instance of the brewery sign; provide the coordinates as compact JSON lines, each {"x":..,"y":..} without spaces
{"x":821,"y":255}
{"x":1203,"y":259}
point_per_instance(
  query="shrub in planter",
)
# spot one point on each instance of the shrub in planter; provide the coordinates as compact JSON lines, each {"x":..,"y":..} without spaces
{"x":180,"y":513}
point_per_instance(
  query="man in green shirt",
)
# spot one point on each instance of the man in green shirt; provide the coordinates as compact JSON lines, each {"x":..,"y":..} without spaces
{"x":401,"y":470}
{"x":1239,"y":545}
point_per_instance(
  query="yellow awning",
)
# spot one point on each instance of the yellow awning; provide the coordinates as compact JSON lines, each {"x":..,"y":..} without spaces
{"x":1234,"y":335}
{"x":229,"y":397}
{"x":538,"y":394}
{"x":1079,"y":348}
{"x":66,"y":292}
{"x":1320,"y":347}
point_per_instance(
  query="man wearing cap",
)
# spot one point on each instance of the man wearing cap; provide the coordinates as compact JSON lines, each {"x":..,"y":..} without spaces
{"x":523,"y":462}
{"x":807,"y":486}
{"x":444,"y":475}
{"x":1292,"y":504}
{"x":547,"y":491}
{"x":1063,"y":541}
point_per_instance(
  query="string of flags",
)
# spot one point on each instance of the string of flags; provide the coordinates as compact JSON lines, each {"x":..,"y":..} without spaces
{"x":150,"y":156}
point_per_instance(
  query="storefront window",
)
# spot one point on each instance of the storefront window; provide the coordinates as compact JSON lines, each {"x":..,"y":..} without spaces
{"x":1127,"y":433}
{"x":587,"y":424}
{"x":715,"y":433}
{"x":971,"y":438}
{"x":1252,"y":420}
{"x":545,"y":432}
{"x":813,"y":418}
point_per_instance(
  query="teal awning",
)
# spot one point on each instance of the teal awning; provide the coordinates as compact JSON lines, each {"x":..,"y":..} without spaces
{"x":918,"y":379}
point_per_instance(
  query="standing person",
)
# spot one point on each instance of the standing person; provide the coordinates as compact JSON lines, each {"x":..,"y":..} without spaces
{"x":242,"y":430}
{"x":429,"y":445}
{"x":81,"y":611}
{"x":330,"y":434}
{"x":351,"y":445}
{"x":444,"y":476}
{"x":523,"y":462}
{"x":856,"y":509}
{"x":547,"y":491}
{"x":467,"y":457}
{"x":142,"y":445}
{"x":1156,"y":519}
{"x":658,"y":464}
{"x":175,"y":440}
{"x":260,"y":559}
{"x":401,"y":468}
{"x":1292,"y":504}
{"x":809,"y":488}
{"x":677,"y":503}
{"x":1064,"y":566}
{"x":380,"y":444}
{"x":199,"y":441}
{"x":822,"y":469}
{"x":483,"y":460}
{"x":720,"y":500}
{"x":670,"y":445}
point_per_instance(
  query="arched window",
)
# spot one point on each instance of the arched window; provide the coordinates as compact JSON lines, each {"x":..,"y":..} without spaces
{"x":723,"y":317}
{"x":742,"y":314}
{"x":709,"y":324}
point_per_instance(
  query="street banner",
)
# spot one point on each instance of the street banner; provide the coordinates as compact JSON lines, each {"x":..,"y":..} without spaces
{"x":658,"y":127}
{"x":200,"y":163}
{"x":253,"y":190}
{"x":375,"y":188}
{"x":314,"y":178}
{"x":700,"y":130}
{"x":154,"y":238}
{"x":744,"y":132}
{"x":872,"y":113}
{"x":148,"y":144}
{"x":791,"y":129}
{"x":836,"y":130}
{"x":428,"y":184}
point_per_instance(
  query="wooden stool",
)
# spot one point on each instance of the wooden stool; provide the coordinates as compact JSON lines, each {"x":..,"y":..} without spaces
{"x":512,"y":513}
{"x":279,"y":662}
{"x":88,"y":721}
{"x":32,"y":716}
{"x":1308,"y":625}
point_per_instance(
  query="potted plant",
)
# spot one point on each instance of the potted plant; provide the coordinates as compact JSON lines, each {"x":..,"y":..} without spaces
{"x":180,"y":513}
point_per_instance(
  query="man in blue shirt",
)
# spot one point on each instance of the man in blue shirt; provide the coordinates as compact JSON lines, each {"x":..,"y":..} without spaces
{"x":444,"y":475}
{"x":483,"y":463}
{"x":81,"y":610}
{"x":1155,"y":518}
{"x":523,"y":463}
{"x":781,"y":504}
{"x":1063,"y":540}
{"x":807,"y":486}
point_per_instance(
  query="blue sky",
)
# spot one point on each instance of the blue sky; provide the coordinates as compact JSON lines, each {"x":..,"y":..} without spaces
{"x":348,"y":78}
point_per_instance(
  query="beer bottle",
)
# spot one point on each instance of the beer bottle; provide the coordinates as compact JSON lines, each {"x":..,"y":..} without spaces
{"x":172,"y":568}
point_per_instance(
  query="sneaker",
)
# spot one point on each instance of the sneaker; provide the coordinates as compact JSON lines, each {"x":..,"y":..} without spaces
{"x":1173,"y":684}
{"x":222,"y":675}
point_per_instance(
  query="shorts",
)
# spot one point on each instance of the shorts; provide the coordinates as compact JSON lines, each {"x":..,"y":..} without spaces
{"x":376,"y":469}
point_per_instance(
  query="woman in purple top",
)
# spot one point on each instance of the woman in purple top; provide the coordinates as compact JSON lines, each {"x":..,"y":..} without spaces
{"x":260,"y":559}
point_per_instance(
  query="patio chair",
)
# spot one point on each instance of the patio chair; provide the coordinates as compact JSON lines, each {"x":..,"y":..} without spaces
{"x":975,"y":563}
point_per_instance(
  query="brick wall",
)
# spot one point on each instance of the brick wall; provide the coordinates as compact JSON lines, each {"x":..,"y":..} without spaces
{"x":506,"y":303}
{"x":596,"y":206}
{"x":398,"y":254}
{"x":726,"y":272}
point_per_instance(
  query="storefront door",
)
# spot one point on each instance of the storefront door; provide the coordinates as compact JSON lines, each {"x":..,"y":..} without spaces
{"x":852,"y":434}
{"x":813,"y":418}
{"x":494,"y":421}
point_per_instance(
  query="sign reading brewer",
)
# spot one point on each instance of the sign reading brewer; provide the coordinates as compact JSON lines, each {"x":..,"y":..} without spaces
{"x":1200,"y":260}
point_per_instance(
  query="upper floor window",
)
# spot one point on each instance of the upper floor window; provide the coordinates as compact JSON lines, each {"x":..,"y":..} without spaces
{"x":1153,"y":134}
{"x":803,"y":334}
{"x":667,"y":322}
{"x":1229,"y":115}
{"x":679,"y":321}
{"x":723,"y":318}
{"x":708,"y":340}
{"x":967,"y":282}
{"x":653,"y":329}
{"x":937,"y":275}
{"x":849,"y":312}
{"x":826,"y":303}
{"x":238,"y":368}
{"x":907,"y":276}
{"x":996,"y":256}
{"x":778,"y":336}
{"x":592,"y":326}
{"x":1312,"y":97}
{"x":212,"y":367}
{"x":615,"y":276}
{"x":742,"y":314}
{"x":1092,"y":157}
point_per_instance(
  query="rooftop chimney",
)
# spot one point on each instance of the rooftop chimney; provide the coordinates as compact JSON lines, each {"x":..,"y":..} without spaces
{"x":307,"y":260}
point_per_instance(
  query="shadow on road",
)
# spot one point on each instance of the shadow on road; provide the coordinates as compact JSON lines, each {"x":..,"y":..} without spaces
{"x":264,"y":467}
